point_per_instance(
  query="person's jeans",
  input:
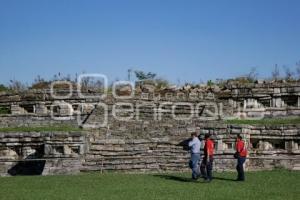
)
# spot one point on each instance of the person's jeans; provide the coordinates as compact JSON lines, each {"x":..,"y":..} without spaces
{"x":240,"y":168}
{"x":207,"y":167}
{"x":194,"y":165}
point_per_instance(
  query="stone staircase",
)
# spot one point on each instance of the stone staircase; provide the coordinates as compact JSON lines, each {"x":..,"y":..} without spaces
{"x":296,"y":165}
{"x":135,"y":155}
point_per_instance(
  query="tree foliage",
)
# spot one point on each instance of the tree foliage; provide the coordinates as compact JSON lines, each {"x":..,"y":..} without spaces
{"x":298,"y":69}
{"x":141,"y":75}
{"x":17,"y":86}
{"x":276,"y":73}
{"x":3,"y":88}
{"x":289,"y":74}
{"x":252,"y":75}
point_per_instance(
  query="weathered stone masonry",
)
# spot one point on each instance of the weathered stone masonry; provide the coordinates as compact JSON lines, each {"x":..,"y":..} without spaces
{"x":153,"y":152}
{"x":265,"y":99}
{"x":145,"y":143}
{"x":102,"y":151}
{"x":41,"y":153}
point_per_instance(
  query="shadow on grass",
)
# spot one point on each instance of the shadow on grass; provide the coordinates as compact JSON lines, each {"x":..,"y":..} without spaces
{"x":188,"y":180}
{"x":174,"y":178}
{"x":223,"y":179}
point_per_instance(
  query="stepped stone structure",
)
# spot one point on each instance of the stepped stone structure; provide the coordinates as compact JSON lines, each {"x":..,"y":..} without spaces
{"x":35,"y":153}
{"x":143,"y":129}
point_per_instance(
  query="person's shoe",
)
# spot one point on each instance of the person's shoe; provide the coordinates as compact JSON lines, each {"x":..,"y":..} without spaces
{"x":195,"y":180}
{"x":199,"y":176}
{"x":207,"y":180}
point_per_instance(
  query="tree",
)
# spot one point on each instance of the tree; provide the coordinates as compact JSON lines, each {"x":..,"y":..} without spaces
{"x":252,"y":75}
{"x":39,"y":79}
{"x":129,"y":71}
{"x":210,"y":83}
{"x":60,"y":77}
{"x":298,"y":69}
{"x":91,"y":84}
{"x":288,"y":73}
{"x":140,"y":75}
{"x":276,"y":73}
{"x":161,"y":83}
{"x":3,"y":88}
{"x":40,"y":83}
{"x":17,"y":86}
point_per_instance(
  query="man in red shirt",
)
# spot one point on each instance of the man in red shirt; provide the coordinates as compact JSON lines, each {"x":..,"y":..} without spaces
{"x":241,"y":154}
{"x":207,"y":162}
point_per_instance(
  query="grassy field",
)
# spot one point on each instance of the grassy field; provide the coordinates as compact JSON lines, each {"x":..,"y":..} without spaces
{"x":271,"y":185}
{"x":63,"y":128}
{"x":274,"y":121}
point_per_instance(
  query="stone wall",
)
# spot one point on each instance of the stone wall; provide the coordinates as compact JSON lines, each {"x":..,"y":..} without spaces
{"x":166,"y":150}
{"x":238,"y":100}
{"x":150,"y":131}
{"x":36,"y":153}
{"x":140,"y":147}
{"x":31,"y":120}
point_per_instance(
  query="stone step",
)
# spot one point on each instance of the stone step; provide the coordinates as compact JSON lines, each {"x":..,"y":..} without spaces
{"x":138,"y":166}
{"x":127,"y":161}
{"x":184,"y":164}
{"x":296,"y":165}
{"x":134,"y":157}
{"x":296,"y":168}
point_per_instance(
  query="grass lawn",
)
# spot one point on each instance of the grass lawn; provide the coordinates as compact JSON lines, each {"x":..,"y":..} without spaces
{"x":63,"y":128}
{"x":273,"y":121}
{"x":259,"y":185}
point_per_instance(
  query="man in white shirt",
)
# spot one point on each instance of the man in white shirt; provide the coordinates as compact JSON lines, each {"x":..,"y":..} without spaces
{"x":194,"y":146}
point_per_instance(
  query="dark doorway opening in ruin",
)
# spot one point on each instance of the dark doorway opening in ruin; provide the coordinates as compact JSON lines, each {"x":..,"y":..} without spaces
{"x":229,"y":145}
{"x":75,"y":107}
{"x":29,"y":108}
{"x":265,"y":102}
{"x":5,"y":110}
{"x":254,"y":143}
{"x":28,"y":167}
{"x":33,"y":164}
{"x":56,"y":110}
{"x":278,"y":144}
{"x":291,"y":100}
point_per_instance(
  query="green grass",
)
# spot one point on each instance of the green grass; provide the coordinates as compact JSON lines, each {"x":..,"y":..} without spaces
{"x":278,"y":121}
{"x":273,"y":185}
{"x":40,"y":129}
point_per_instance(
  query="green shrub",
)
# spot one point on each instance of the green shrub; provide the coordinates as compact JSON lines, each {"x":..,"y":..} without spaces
{"x":4,"y":110}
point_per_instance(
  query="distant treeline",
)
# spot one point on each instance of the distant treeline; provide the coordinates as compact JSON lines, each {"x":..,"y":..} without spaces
{"x":282,"y":73}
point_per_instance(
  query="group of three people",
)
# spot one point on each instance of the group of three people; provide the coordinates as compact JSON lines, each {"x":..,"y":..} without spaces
{"x":205,"y":167}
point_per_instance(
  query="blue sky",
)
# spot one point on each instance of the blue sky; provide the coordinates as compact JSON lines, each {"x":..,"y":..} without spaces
{"x":182,"y":40}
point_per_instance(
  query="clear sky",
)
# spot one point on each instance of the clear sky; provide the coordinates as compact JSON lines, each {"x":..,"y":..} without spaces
{"x":182,"y":40}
